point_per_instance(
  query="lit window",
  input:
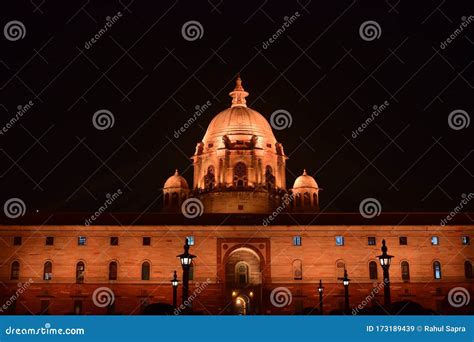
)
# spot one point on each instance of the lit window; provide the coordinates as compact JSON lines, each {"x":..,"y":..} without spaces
{"x":147,"y":241}
{"x":403,"y":240}
{"x":371,"y":241}
{"x":437,"y":270}
{"x":114,"y":241}
{"x":190,"y":240}
{"x":80,"y":270}
{"x":81,"y":240}
{"x":48,"y":270}
{"x":339,"y":240}
{"x":297,"y":240}
{"x":49,"y":240}
{"x":434,"y":240}
{"x":466,"y":240}
{"x":405,"y":271}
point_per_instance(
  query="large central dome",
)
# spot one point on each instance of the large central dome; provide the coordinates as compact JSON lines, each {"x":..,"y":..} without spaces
{"x":239,"y":122}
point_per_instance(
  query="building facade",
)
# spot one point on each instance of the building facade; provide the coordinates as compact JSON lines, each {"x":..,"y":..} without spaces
{"x":261,"y":248}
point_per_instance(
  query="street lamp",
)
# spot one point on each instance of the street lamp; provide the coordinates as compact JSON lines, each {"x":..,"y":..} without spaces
{"x":174,"y":283}
{"x":385,"y":261}
{"x":321,"y":291}
{"x":186,"y":260}
{"x":345,"y":282}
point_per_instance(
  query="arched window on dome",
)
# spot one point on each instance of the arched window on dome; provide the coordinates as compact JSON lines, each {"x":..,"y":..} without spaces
{"x":167,"y":199}
{"x":269,"y":177}
{"x":174,"y":199}
{"x":240,"y":175}
{"x":315,"y":200}
{"x":297,"y":200}
{"x":210,"y":178}
{"x":306,"y":199}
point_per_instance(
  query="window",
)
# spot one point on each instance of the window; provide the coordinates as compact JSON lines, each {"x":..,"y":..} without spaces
{"x":147,"y":241}
{"x":405,"y":271}
{"x":190,"y":240}
{"x":17,"y":241}
{"x":191,"y":271}
{"x":44,"y":307}
{"x":49,"y":240}
{"x":146,"y":271}
{"x":297,"y":240}
{"x":81,"y":240}
{"x":297,"y":270}
{"x":468,"y":270}
{"x":80,"y":270}
{"x":241,"y":273}
{"x":114,"y":241}
{"x":15,"y":271}
{"x":77,"y":307}
{"x":113,"y":271}
{"x":340,"y":267}
{"x":240,"y":207}
{"x":371,"y":241}
{"x":339,"y":240}
{"x":240,"y":175}
{"x":437,"y":270}
{"x":373,"y":270}
{"x":48,"y":270}
{"x":466,"y":240}
{"x":434,"y":240}
{"x":403,"y":240}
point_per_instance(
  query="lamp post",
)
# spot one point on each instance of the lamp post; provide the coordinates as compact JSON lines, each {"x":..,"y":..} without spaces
{"x":174,"y":283}
{"x":186,"y":260}
{"x":320,"y":290}
{"x":345,"y":282}
{"x":385,"y":261}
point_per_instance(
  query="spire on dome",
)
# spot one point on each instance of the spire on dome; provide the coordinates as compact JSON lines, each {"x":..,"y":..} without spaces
{"x":239,"y":94}
{"x":176,"y":173}
{"x":304,"y":172}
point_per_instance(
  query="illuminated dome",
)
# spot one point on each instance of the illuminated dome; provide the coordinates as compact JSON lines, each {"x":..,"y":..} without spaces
{"x":305,"y":181}
{"x":176,"y":181}
{"x":239,"y":122}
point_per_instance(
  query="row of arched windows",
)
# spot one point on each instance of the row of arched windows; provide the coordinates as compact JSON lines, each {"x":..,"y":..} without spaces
{"x":81,"y":269}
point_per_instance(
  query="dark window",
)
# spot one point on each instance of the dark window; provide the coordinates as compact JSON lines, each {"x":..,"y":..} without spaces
{"x":113,"y":271}
{"x":297,"y":240}
{"x":403,"y":240}
{"x":466,"y":240}
{"x":468,"y":269}
{"x":146,"y":241}
{"x":44,"y":307}
{"x":405,"y":271}
{"x":210,"y":145}
{"x":434,"y":240}
{"x":240,"y":175}
{"x":49,"y":241}
{"x":15,"y":271}
{"x":297,"y":270}
{"x":77,"y":307}
{"x":80,"y":270}
{"x":269,"y":145}
{"x":373,"y":270}
{"x":240,"y":207}
{"x":81,"y":240}
{"x":114,"y":241}
{"x":146,"y":271}
{"x":17,"y":240}
{"x":371,"y":241}
{"x":339,"y":240}
{"x":437,"y":270}
{"x":48,"y":270}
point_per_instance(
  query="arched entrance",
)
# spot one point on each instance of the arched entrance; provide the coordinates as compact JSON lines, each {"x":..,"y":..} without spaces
{"x":243,"y":280}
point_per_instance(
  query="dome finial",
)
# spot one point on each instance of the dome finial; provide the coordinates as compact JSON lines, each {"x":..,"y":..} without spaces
{"x":238,"y":94}
{"x":176,"y":173}
{"x":304,"y":172}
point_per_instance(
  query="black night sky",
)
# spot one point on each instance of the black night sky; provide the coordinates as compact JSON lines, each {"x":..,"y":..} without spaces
{"x":320,"y":70}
